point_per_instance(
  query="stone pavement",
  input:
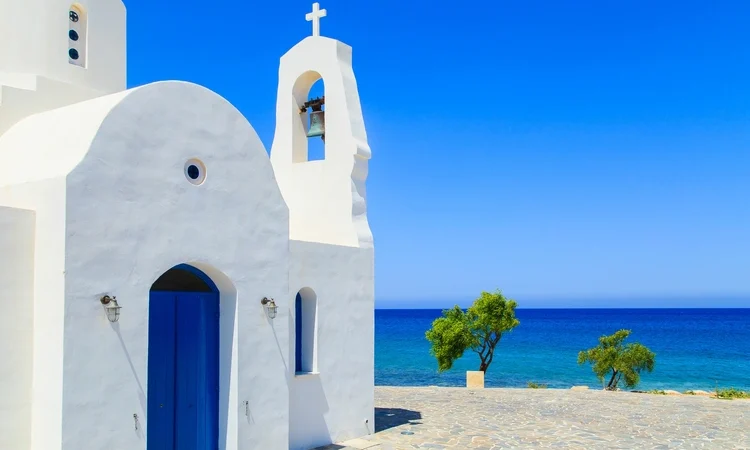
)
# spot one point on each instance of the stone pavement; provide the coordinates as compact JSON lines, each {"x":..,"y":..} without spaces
{"x":458,"y":418}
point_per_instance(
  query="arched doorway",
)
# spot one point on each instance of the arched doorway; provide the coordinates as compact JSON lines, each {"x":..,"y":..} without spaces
{"x":183,"y":361}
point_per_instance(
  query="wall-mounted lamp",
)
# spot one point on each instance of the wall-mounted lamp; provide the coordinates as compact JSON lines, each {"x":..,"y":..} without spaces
{"x":271,"y":307}
{"x":111,"y":307}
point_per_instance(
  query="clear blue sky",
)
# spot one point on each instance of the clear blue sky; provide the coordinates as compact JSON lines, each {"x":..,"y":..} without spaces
{"x":570,"y":153}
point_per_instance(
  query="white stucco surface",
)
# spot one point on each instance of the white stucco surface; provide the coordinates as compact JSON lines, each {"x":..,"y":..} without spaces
{"x":16,"y":326}
{"x":35,"y":75}
{"x":333,"y":404}
{"x":34,"y":40}
{"x":47,"y":199}
{"x":127,"y":214}
{"x":24,"y":95}
{"x":327,"y":199}
{"x":69,"y":133}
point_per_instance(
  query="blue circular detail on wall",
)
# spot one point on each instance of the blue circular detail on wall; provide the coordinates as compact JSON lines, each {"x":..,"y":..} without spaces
{"x":193,"y":172}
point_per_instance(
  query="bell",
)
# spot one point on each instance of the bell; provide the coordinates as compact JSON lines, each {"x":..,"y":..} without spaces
{"x":317,"y":124}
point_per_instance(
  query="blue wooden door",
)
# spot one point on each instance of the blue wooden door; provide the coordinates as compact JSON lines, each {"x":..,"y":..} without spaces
{"x":183,"y":371}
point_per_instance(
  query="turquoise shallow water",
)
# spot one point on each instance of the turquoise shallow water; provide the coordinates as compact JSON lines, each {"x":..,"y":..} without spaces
{"x":695,"y":348}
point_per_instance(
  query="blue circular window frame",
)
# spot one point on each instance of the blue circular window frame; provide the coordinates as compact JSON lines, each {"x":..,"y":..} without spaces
{"x":195,"y":171}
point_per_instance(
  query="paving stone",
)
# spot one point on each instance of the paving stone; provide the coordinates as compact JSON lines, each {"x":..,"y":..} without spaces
{"x":491,"y":419}
{"x":360,"y":444}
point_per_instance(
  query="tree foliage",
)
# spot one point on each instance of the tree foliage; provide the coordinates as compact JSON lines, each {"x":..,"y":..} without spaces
{"x":618,"y":361}
{"x":479,"y":329}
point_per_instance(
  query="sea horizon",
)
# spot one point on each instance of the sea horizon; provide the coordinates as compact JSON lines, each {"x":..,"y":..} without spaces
{"x":696,"y":347}
{"x":589,"y":301}
{"x":573,"y":307}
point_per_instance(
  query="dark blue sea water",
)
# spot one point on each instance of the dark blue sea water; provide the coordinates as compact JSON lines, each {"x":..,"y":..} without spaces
{"x":695,"y":348}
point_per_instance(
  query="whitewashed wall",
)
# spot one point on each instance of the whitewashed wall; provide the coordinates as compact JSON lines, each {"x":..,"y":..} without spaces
{"x":337,"y":402}
{"x":126,"y":214}
{"x":36,"y":154}
{"x":16,"y":326}
{"x":35,"y":74}
{"x":24,"y":95}
{"x":47,"y":198}
{"x":34,"y":40}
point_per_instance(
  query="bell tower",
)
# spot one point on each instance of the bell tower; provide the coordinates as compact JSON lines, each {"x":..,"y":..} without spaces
{"x":57,"y":52}
{"x":327,"y":198}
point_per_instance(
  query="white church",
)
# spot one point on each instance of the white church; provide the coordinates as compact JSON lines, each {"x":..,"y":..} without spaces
{"x":164,"y":284}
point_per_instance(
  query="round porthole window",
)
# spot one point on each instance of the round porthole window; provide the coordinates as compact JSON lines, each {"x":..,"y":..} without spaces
{"x":195,"y":171}
{"x":73,"y":53}
{"x":73,"y":35}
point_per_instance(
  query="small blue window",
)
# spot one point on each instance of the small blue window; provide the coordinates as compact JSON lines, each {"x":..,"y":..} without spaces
{"x":298,"y":333}
{"x":73,"y":53}
{"x":73,"y":35}
{"x":305,"y":330}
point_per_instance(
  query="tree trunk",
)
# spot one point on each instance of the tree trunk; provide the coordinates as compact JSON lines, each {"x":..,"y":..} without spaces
{"x":487,"y":352}
{"x":611,"y":380}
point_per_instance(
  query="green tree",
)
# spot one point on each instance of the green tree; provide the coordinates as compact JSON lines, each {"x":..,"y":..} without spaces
{"x":618,"y":361}
{"x":479,"y":328}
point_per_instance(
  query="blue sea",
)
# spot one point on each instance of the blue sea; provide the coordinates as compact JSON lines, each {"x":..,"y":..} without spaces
{"x":695,"y":348}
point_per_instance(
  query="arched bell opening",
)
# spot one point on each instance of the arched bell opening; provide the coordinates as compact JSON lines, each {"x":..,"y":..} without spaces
{"x":309,"y":93}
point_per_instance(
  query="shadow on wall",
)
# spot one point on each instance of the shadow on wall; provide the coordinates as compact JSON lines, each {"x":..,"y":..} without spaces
{"x":386,"y":418}
{"x":308,"y":407}
{"x":141,"y":392}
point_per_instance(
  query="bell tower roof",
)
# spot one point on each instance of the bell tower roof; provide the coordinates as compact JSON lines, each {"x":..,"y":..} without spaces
{"x":76,"y":42}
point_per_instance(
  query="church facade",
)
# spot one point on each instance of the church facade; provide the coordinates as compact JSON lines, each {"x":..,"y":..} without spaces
{"x":164,"y":284}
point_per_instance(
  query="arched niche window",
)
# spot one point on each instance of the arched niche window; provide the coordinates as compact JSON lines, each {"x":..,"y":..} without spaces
{"x":305,"y":331}
{"x":77,"y":35}
{"x":310,"y":143}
